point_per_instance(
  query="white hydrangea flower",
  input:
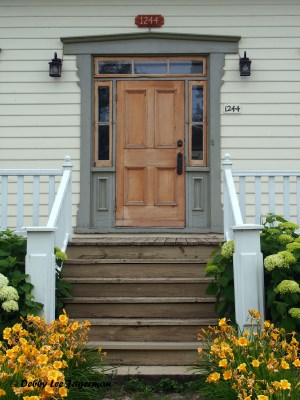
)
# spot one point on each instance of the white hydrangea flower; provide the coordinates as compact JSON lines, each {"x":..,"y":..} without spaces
{"x":3,"y":281}
{"x":9,"y":293}
{"x":295,"y":312}
{"x":10,"y":305}
{"x":228,"y":249}
{"x":287,"y":286}
{"x":283,"y":259}
{"x":272,"y":262}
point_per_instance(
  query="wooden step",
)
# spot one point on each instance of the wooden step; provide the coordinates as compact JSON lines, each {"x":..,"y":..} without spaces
{"x":147,"y":329}
{"x":139,"y":307}
{"x":90,"y":250}
{"x":136,"y":287}
{"x":144,"y":295}
{"x":126,"y":268}
{"x":148,"y":353}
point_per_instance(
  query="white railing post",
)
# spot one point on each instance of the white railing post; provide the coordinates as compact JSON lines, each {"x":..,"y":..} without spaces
{"x":248,"y":272}
{"x":67,"y":166}
{"x":40,"y":266}
{"x":227,"y":211}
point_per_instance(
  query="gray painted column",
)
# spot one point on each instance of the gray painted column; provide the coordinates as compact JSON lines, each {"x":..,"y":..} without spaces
{"x":84,"y":64}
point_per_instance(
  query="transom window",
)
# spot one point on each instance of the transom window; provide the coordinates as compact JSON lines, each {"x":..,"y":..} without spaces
{"x":110,"y":69}
{"x":177,"y":66}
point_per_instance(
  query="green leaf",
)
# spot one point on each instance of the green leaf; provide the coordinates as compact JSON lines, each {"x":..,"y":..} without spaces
{"x":223,"y":281}
{"x":281,"y":307}
{"x":220,"y":307}
{"x":212,"y":289}
{"x":288,"y":324}
{"x":27,"y":287}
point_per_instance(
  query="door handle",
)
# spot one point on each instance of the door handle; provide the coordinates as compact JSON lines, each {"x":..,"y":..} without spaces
{"x":179,"y":163}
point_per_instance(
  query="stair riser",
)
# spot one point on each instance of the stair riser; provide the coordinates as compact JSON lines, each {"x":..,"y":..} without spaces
{"x":145,"y":333}
{"x":139,"y":289}
{"x":153,"y":357}
{"x":140,"y":252}
{"x":174,"y":310}
{"x":124,"y":270}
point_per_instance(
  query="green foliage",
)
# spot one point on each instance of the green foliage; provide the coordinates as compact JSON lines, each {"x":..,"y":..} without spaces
{"x":220,"y":268}
{"x":89,"y":370}
{"x":166,"y":385}
{"x":12,"y":265}
{"x":280,"y":246}
{"x":278,"y":302}
{"x":151,"y":388}
{"x":63,"y":288}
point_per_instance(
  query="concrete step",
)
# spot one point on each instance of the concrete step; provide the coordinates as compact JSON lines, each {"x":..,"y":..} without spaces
{"x":155,"y":372}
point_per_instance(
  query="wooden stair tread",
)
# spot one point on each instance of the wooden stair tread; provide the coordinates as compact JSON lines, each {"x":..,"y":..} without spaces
{"x":150,"y":321}
{"x":87,"y":261}
{"x":130,"y":240}
{"x":140,"y":300}
{"x":162,"y":346}
{"x":168,"y":280}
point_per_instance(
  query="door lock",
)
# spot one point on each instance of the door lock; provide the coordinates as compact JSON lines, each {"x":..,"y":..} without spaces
{"x":179,"y":143}
{"x":179,"y":163}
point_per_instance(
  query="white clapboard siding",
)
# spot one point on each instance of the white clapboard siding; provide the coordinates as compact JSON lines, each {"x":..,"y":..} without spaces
{"x":35,"y":131}
{"x":40,"y":116}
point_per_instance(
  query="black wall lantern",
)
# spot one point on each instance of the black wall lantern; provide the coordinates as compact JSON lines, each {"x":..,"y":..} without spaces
{"x":245,"y":66}
{"x":55,"y":67}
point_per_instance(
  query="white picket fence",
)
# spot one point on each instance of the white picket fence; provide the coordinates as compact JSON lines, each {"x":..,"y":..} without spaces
{"x":41,"y":240}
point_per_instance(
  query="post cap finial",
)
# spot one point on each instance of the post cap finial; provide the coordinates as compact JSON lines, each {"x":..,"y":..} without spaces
{"x":227,"y":160}
{"x":67,"y":162}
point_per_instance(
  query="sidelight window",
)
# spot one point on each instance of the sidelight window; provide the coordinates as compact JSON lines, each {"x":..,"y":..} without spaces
{"x":103,"y":124}
{"x":197,"y":124}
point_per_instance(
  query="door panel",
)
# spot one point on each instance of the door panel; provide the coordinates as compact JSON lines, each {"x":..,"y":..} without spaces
{"x":150,"y":120}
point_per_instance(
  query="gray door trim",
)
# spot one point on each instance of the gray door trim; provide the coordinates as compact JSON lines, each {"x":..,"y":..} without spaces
{"x":215,"y":47}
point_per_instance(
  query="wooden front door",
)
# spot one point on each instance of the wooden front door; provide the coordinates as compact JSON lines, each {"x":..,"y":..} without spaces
{"x":150,"y":190}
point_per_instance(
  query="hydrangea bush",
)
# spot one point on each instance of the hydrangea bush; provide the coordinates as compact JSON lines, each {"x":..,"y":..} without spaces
{"x":280,"y":244}
{"x":12,"y":267}
{"x":15,"y":293}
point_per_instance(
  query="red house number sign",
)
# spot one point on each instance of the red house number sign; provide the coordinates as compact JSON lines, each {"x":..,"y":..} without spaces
{"x":149,"y":21}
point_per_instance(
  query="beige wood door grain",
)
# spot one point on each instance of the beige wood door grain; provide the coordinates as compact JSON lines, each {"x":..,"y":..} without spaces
{"x":150,"y":120}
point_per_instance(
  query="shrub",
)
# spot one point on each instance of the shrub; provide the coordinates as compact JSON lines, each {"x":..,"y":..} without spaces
{"x":261,"y":363}
{"x":280,"y":245}
{"x":45,"y":360}
{"x":12,"y":266}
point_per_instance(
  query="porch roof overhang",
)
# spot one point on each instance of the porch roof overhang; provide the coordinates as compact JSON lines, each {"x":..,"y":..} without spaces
{"x":150,"y":43}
